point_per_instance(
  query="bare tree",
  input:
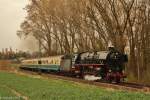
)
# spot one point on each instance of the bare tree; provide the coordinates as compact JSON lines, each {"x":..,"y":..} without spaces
{"x":66,"y":26}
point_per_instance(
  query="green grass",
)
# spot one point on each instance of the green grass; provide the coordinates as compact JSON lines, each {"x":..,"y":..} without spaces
{"x":7,"y":94}
{"x":4,"y":92}
{"x":50,"y":89}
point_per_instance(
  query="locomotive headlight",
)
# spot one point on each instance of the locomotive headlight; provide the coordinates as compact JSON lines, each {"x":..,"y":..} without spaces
{"x":110,"y":71}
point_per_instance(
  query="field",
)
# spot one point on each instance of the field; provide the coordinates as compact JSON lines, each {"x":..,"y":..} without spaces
{"x":37,"y":88}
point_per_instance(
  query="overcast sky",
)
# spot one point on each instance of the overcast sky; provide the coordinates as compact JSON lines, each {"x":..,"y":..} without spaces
{"x":11,"y":15}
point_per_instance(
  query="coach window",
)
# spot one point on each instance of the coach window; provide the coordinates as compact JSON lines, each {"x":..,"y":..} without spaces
{"x":39,"y":62}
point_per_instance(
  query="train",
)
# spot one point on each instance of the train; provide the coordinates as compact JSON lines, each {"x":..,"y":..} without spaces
{"x":99,"y":65}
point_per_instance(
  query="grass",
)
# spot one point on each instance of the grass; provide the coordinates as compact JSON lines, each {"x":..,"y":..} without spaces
{"x":4,"y":92}
{"x":50,"y":89}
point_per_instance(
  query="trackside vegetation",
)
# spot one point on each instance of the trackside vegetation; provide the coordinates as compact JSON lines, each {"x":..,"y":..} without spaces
{"x":35,"y":88}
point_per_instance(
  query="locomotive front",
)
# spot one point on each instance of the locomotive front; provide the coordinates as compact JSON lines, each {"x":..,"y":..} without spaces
{"x":116,"y":65}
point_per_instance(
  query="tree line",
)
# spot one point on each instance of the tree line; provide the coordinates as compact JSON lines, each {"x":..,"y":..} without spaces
{"x":10,"y":54}
{"x":67,"y":26}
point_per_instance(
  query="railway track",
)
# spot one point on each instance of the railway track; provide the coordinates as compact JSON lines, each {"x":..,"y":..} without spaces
{"x":121,"y":86}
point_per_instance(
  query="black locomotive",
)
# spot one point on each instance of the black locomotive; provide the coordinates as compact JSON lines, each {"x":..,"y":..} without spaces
{"x":105,"y":65}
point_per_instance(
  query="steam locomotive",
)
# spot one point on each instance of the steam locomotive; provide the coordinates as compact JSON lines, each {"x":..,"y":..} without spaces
{"x":103,"y":65}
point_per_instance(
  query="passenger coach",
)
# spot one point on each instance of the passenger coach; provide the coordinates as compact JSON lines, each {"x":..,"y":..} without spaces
{"x":44,"y":64}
